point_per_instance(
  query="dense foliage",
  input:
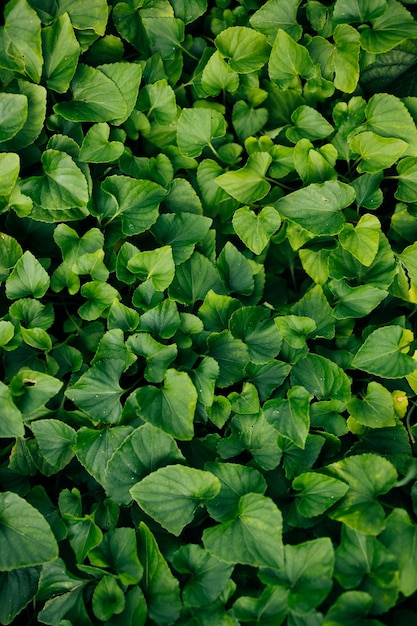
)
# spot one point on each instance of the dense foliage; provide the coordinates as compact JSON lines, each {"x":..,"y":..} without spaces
{"x":208,"y":268}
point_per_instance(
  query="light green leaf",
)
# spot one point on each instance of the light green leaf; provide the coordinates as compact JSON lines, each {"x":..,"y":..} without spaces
{"x":362,"y":240}
{"x":248,"y":184}
{"x":255,"y":230}
{"x":295,"y":329}
{"x":154,"y":265}
{"x":314,"y":305}
{"x":120,"y":198}
{"x":314,"y":165}
{"x":55,"y":440}
{"x":253,"y":537}
{"x":217,"y":76}
{"x":158,"y":356}
{"x":145,"y":450}
{"x":289,"y":61}
{"x":95,"y":18}
{"x":6,"y":332}
{"x":100,"y":296}
{"x":291,"y":417}
{"x":13,"y":115}
{"x":245,"y":49}
{"x":61,"y":52}
{"x":207,"y":575}
{"x":26,"y":539}
{"x":28,"y":278}
{"x":400,"y":538}
{"x":368,"y":476}
{"x":32,"y":389}
{"x":246,"y":402}
{"x":11,"y":423}
{"x":355,"y":301}
{"x":388,"y":30}
{"x":158,"y":101}
{"x":96,"y":147}
{"x":126,"y":76}
{"x":197,"y":128}
{"x":388,"y":116}
{"x":318,"y":207}
{"x":277,"y":14}
{"x":97,"y":391}
{"x":23,"y":27}
{"x":317,"y":492}
{"x":170,"y":407}
{"x":346,"y":57}
{"x":383,"y":353}
{"x":308,"y":124}
{"x":189,"y":10}
{"x":247,"y":121}
{"x":407,"y":179}
{"x":159,"y":585}
{"x":377,"y":153}
{"x":171,"y":494}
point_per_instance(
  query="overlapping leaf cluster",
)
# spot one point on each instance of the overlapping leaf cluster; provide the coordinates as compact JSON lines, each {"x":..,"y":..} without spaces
{"x":208,"y":268}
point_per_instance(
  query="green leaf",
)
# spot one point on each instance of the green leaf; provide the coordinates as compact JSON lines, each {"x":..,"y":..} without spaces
{"x":253,"y":537}
{"x":61,"y":53}
{"x":23,"y":28}
{"x":269,"y":609}
{"x":197,"y":128}
{"x":32,"y":389}
{"x":291,"y":417}
{"x":170,"y":407}
{"x":94,"y":448}
{"x":346,"y":57}
{"x":361,"y":11}
{"x":248,"y":184}
{"x":348,"y":608}
{"x":235,"y":270}
{"x":160,"y":587}
{"x":145,"y":450}
{"x":318,"y":207}
{"x":317,"y":493}
{"x":288,"y":61}
{"x":307,"y":574}
{"x":36,"y":111}
{"x":96,"y":147}
{"x":189,"y":10}
{"x":126,"y":77}
{"x":217,"y":76}
{"x":245,"y":49}
{"x":56,"y":441}
{"x":96,"y":98}
{"x":355,"y":301}
{"x":382,"y":353}
{"x":61,"y":193}
{"x":207,"y":575}
{"x":322,"y":377}
{"x":314,"y":305}
{"x":154,"y":265}
{"x":181,"y":231}
{"x":95,"y":18}
{"x":194,"y":279}
{"x":158,"y":100}
{"x":13,"y":115}
{"x":108,"y":598}
{"x":100,"y":296}
{"x":18,"y":588}
{"x":377,"y":153}
{"x":28,"y":278}
{"x":399,"y":537}
{"x":171,"y":494}
{"x":255,"y":230}
{"x":97,"y":391}
{"x":308,"y":124}
{"x":389,"y":29}
{"x":119,"y":550}
{"x":363,"y":562}
{"x":375,"y":409}
{"x":11,"y":424}
{"x":407,"y":181}
{"x":6,"y":332}
{"x":314,"y":166}
{"x":26,"y":539}
{"x":235,"y":481}
{"x":362,"y":240}
{"x":165,"y":33}
{"x":368,"y":476}
{"x":274,"y":15}
{"x":158,"y":356}
{"x":231,"y":354}
{"x":119,"y":200}
{"x":387,"y":116}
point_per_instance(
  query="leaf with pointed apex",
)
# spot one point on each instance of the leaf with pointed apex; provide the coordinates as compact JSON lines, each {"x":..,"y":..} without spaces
{"x":288,"y":61}
{"x":383,"y":353}
{"x":248,"y":184}
{"x":197,"y":128}
{"x":245,"y":49}
{"x":96,"y":147}
{"x":317,"y":493}
{"x":255,"y":230}
{"x":291,"y":416}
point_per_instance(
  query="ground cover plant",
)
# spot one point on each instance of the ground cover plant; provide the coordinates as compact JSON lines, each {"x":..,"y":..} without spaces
{"x":208,"y":268}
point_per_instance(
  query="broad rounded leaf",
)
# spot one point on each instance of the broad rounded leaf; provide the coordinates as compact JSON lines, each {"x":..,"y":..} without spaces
{"x":255,"y":230}
{"x":245,"y":49}
{"x":383,"y":353}
{"x":173,"y":493}
{"x":317,"y":492}
{"x":28,"y":278}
